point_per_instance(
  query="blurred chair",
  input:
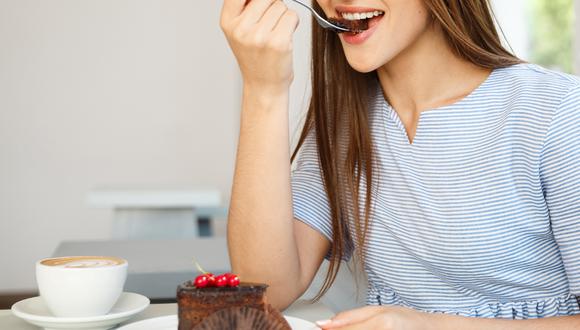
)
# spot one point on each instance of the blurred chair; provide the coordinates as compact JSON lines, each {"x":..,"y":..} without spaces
{"x":160,"y":213}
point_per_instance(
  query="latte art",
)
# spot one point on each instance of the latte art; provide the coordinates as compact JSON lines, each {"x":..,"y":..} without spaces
{"x":88,"y":263}
{"x":83,"y":262}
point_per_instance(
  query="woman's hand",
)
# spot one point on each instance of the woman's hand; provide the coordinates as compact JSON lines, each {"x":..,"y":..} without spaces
{"x":379,"y":318}
{"x":260,"y":34}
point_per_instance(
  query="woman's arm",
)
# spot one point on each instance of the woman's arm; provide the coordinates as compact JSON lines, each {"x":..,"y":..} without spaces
{"x":265,"y":243}
{"x":401,"y":318}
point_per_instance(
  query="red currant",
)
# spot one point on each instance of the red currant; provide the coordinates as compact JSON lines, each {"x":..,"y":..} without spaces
{"x":233,"y":280}
{"x":210,"y":279}
{"x":201,"y":281}
{"x":221,"y":281}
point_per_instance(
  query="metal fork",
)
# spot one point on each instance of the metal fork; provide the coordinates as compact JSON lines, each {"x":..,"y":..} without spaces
{"x":321,"y":21}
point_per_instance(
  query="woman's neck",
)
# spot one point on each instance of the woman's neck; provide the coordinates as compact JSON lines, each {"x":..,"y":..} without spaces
{"x":428,"y":75}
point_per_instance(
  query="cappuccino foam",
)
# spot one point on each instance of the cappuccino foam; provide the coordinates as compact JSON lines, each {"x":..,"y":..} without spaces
{"x":83,"y":262}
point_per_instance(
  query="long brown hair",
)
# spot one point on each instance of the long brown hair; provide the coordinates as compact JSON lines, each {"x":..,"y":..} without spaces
{"x":338,"y":115}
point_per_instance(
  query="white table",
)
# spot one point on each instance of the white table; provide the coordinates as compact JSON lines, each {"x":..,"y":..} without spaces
{"x":300,"y":309}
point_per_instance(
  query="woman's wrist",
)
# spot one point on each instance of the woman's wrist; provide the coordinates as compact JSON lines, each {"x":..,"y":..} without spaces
{"x":265,"y":97}
{"x":264,"y":89}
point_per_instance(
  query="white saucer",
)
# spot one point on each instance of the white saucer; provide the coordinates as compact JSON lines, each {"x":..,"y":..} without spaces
{"x":170,"y":323}
{"x":34,"y":310}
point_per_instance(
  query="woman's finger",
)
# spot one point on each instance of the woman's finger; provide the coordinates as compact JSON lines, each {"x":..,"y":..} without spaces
{"x":254,"y":11}
{"x":286,"y":26}
{"x":271,"y":17}
{"x":350,"y":317}
{"x":232,"y":9}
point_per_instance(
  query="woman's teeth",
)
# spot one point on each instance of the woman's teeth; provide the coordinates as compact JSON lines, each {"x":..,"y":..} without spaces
{"x":359,"y":16}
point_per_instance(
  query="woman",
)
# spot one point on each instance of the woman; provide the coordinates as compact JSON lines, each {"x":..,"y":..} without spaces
{"x":463,"y":162}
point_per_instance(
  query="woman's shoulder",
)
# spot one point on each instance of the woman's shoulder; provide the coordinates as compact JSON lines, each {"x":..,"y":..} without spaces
{"x":530,"y":97}
{"x":535,"y":81}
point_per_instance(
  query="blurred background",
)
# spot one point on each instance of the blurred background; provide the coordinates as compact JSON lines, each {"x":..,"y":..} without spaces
{"x":119,"y":123}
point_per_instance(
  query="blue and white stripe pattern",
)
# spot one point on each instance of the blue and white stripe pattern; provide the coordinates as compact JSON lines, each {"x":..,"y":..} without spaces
{"x":480,"y":215}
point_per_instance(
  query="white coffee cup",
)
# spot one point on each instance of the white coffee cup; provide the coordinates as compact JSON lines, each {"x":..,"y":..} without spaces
{"x":81,"y":286}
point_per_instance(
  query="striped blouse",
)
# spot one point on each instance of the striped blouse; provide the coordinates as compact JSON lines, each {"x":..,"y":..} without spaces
{"x":480,"y":215}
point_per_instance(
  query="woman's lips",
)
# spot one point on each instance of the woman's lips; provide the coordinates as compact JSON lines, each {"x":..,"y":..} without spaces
{"x":359,"y":38}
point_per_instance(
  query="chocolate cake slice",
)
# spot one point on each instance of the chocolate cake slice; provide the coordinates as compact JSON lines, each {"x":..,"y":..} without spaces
{"x":196,"y":304}
{"x":354,"y":26}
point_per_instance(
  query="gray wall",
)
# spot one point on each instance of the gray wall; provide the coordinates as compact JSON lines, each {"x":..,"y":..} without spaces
{"x":104,"y":92}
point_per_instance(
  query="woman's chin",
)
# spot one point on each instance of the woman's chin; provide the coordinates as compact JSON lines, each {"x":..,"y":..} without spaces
{"x":362,"y":64}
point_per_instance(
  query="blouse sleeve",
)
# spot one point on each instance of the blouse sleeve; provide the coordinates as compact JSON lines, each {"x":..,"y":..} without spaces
{"x":560,"y":176}
{"x":309,"y":197}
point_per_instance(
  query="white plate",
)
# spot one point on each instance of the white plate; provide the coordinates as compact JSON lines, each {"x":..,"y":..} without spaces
{"x":34,"y":311}
{"x":170,"y":323}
